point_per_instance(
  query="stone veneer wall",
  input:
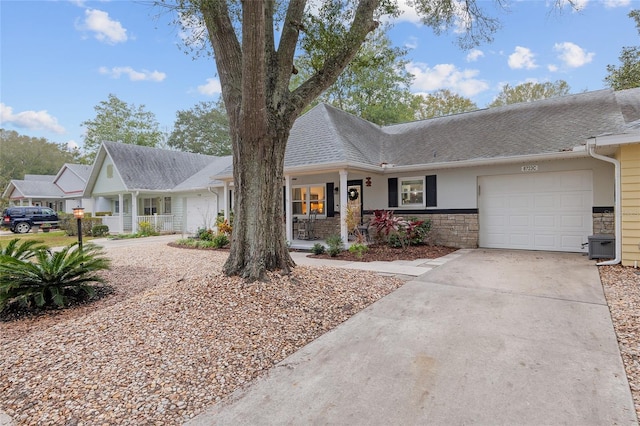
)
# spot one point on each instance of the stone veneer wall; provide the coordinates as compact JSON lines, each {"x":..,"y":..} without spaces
{"x":604,"y":223}
{"x":459,"y":230}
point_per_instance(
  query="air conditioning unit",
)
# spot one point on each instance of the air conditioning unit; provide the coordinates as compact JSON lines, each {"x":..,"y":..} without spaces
{"x":602,"y":246}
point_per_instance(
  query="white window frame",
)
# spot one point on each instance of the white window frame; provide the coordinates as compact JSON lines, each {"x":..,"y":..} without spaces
{"x":401,"y":192}
{"x":308,"y":200}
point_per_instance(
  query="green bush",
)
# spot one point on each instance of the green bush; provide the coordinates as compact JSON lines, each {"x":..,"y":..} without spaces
{"x":69,"y":224}
{"x":99,"y":230}
{"x":220,"y":240}
{"x":52,"y":278}
{"x":336,"y":245}
{"x":146,"y":229}
{"x":204,"y":234}
{"x":23,"y":251}
{"x":358,"y":249}
{"x":317,"y":248}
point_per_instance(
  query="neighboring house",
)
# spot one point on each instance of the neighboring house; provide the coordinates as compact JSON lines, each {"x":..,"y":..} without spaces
{"x":61,"y":192}
{"x":537,"y":176}
{"x":171,"y":189}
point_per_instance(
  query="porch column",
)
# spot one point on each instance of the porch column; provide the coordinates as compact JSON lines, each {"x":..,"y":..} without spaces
{"x":121,"y":212}
{"x":225,"y":198}
{"x":134,"y":212}
{"x":288,"y":210}
{"x":344,"y":232}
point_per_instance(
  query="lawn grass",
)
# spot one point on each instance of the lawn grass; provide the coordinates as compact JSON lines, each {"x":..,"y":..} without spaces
{"x":50,"y":239}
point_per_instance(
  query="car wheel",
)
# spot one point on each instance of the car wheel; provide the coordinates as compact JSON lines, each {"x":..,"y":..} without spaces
{"x":22,"y":227}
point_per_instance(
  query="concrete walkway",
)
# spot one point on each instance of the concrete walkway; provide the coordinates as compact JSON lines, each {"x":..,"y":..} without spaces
{"x":491,"y":337}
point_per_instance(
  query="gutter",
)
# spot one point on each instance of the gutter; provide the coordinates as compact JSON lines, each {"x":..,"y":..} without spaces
{"x":591,"y":143}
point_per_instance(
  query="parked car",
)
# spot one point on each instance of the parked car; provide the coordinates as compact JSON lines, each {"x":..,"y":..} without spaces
{"x":21,"y":219}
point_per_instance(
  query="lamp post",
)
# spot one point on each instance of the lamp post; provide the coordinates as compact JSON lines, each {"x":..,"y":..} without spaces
{"x":78,"y":213}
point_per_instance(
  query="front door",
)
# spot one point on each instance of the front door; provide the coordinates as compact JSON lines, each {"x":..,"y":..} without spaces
{"x":354,"y":200}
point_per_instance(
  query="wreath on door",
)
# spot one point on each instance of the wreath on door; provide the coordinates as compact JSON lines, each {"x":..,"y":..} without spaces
{"x":352,"y":194}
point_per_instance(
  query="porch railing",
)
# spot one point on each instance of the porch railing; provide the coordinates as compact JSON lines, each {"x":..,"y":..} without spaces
{"x":160,"y":222}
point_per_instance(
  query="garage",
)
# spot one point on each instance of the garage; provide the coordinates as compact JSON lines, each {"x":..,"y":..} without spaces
{"x":536,"y":211}
{"x":201,"y":212}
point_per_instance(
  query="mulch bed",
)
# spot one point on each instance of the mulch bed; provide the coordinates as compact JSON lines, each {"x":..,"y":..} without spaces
{"x":381,"y":252}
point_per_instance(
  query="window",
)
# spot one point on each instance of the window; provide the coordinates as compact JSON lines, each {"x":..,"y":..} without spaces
{"x":167,"y":205}
{"x":308,"y":198}
{"x":412,"y":192}
{"x":150,"y":206}
{"x":109,"y":171}
{"x":116,"y":206}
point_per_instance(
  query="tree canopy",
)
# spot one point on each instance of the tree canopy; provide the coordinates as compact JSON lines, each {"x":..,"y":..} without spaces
{"x":528,"y":92}
{"x":203,"y":129}
{"x":118,"y":121}
{"x":439,"y":103}
{"x":23,"y":155}
{"x":373,"y":86}
{"x":627,"y":74}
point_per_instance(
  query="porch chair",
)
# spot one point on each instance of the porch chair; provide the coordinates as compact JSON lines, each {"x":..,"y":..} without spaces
{"x":303,"y":231}
{"x":312,"y":224}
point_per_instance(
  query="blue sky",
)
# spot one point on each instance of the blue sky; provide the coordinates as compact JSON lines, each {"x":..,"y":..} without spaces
{"x":59,"y":59}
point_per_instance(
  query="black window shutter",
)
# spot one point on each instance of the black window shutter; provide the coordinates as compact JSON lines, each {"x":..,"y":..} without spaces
{"x":432,"y":191}
{"x":329,"y":207}
{"x":284,"y":200}
{"x":393,"y":192}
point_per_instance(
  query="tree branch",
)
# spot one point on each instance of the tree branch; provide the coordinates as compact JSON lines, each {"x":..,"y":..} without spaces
{"x":226,"y":49}
{"x":363,"y":24}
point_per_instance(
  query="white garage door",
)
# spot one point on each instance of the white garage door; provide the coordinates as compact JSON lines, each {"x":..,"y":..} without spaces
{"x":201,"y":212}
{"x":536,"y":211}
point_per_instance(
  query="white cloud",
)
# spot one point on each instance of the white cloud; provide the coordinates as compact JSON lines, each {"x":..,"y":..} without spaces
{"x":552,"y":67}
{"x":616,"y":3}
{"x":407,"y":13}
{"x":134,"y":75}
{"x":212,"y":87}
{"x":105,"y":29}
{"x":572,"y":55}
{"x":411,"y":43}
{"x":522,"y":58}
{"x":71,"y":144}
{"x":35,"y":120}
{"x":474,"y":55}
{"x":446,"y":76}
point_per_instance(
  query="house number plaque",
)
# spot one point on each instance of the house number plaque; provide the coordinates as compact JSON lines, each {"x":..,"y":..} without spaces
{"x":530,"y":168}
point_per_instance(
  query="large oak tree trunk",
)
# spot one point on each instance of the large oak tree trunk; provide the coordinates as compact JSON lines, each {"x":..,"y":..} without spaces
{"x":258,"y":242}
{"x":255,"y":79}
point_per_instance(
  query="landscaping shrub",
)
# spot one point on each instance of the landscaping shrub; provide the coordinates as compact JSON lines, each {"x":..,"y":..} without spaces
{"x":317,"y":248}
{"x":99,"y":230}
{"x":358,"y":249}
{"x":224,"y":227}
{"x":398,"y":232}
{"x":220,"y":240}
{"x":52,"y":278}
{"x":146,"y":229}
{"x":69,"y":224}
{"x":23,"y":251}
{"x":204,"y":234}
{"x":336,"y":245}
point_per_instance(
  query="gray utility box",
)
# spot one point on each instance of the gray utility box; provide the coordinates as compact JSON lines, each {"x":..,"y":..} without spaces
{"x":602,"y":246}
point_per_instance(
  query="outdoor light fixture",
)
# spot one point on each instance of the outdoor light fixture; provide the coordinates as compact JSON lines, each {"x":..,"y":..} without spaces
{"x":78,"y":213}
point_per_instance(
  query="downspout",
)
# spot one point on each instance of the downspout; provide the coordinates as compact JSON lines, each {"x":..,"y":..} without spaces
{"x":617,"y":203}
{"x":210,"y":189}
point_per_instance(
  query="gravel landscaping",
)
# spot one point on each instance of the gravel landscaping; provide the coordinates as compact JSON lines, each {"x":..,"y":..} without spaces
{"x":622,"y":290}
{"x":174,"y":337}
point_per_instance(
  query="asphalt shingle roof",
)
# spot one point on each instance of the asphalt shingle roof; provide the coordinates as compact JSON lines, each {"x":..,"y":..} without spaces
{"x":145,"y":168}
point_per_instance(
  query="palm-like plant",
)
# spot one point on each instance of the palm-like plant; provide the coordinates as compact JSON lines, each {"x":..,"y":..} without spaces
{"x":52,"y":277}
{"x":23,"y":251}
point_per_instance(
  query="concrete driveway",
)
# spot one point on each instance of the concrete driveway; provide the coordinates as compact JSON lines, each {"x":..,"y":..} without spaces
{"x":492,"y":338}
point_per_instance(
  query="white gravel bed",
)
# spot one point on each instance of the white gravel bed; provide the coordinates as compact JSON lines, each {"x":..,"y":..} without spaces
{"x":622,"y":290}
{"x":174,"y":338}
